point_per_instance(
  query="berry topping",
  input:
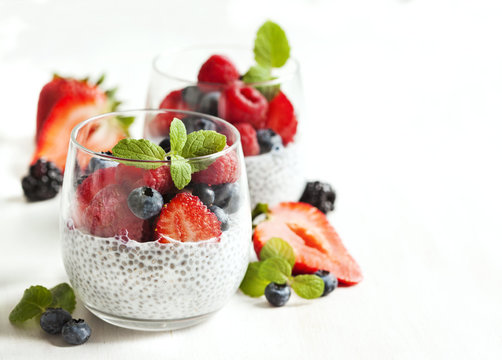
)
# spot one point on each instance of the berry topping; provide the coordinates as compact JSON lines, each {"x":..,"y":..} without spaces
{"x":315,"y":242}
{"x":218,"y":69}
{"x":43,"y":182}
{"x":158,"y":179}
{"x":144,"y":202}
{"x":321,"y":195}
{"x":195,"y":123}
{"x":226,"y":196}
{"x":330,"y":282}
{"x":249,"y":140}
{"x":269,"y":140}
{"x":76,"y":332}
{"x":281,"y":118}
{"x":160,"y":125}
{"x":224,"y":170}
{"x":98,"y":163}
{"x":276,"y":294}
{"x":166,"y":144}
{"x":243,"y":104}
{"x":191,"y":96}
{"x":209,"y":103}
{"x":221,"y":215}
{"x":187,"y":219}
{"x":204,"y":193}
{"x":52,"y":320}
{"x":92,"y":184}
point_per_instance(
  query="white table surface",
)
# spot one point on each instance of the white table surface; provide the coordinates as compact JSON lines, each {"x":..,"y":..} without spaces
{"x":403,"y":116}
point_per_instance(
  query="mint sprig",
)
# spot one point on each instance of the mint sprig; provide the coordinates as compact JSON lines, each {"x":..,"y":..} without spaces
{"x":277,"y":260}
{"x":36,"y":299}
{"x":139,"y":149}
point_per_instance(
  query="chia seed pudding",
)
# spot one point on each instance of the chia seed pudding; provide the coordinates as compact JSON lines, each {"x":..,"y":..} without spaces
{"x":155,"y":281}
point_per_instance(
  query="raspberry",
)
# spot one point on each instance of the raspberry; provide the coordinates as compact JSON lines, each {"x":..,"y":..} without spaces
{"x":160,"y":125}
{"x":224,"y":170}
{"x":243,"y":104}
{"x":218,"y":69}
{"x":158,"y":179}
{"x":281,"y":118}
{"x":249,"y":139}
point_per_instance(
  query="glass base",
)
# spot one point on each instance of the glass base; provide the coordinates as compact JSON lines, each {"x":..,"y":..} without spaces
{"x":148,"y":324}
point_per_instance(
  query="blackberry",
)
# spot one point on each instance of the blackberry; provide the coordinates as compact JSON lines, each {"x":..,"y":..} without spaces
{"x":321,"y":195}
{"x":43,"y":181}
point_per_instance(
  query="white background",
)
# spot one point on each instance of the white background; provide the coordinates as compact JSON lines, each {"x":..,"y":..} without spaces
{"x":403,"y":116}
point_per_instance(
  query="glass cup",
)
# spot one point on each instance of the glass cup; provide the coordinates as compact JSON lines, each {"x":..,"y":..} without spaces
{"x":273,"y":176}
{"x":130,"y":271}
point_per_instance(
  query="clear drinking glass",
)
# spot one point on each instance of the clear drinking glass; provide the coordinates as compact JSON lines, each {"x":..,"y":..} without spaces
{"x":122,"y":267}
{"x":273,"y":176}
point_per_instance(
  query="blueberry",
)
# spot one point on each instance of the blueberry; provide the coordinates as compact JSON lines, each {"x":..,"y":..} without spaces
{"x":166,"y":144}
{"x":145,"y":202}
{"x":330,"y":282}
{"x":209,"y":103}
{"x":321,"y":195}
{"x":204,"y":193}
{"x":269,"y":140}
{"x":221,"y":215}
{"x":98,"y":163}
{"x":195,"y":123}
{"x":43,"y":181}
{"x":52,"y":320}
{"x":191,"y":95}
{"x":277,"y":295}
{"x":76,"y":332}
{"x":226,"y":196}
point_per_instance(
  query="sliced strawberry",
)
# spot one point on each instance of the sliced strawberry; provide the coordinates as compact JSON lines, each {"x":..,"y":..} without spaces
{"x":218,"y":69}
{"x":225,"y":169}
{"x":93,"y":184}
{"x":243,"y":104}
{"x":108,"y":215}
{"x":281,"y":118}
{"x":314,"y":240}
{"x":187,"y":219}
{"x":249,"y":139}
{"x":160,"y":124}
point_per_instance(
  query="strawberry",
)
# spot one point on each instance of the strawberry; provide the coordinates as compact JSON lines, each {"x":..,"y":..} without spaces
{"x":243,"y":104}
{"x":187,"y":219}
{"x":281,"y":117}
{"x":160,"y":125}
{"x":108,"y":215}
{"x":249,"y":139}
{"x":218,"y":69}
{"x":315,"y":242}
{"x":225,"y":169}
{"x":63,"y":103}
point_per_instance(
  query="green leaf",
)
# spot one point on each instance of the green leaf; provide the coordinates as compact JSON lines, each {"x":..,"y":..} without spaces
{"x":178,"y":136}
{"x":139,"y":149}
{"x":260,"y":208}
{"x":256,"y":74}
{"x":308,"y":286}
{"x":34,"y":302}
{"x":276,"y":247}
{"x":252,"y":284}
{"x":181,"y":171}
{"x":63,"y":297}
{"x":276,"y":270}
{"x":203,"y":142}
{"x":271,"y":46}
{"x":100,"y":80}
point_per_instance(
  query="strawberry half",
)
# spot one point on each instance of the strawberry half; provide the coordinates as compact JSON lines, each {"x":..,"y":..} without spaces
{"x":281,"y":117}
{"x":316,"y":243}
{"x":187,"y":219}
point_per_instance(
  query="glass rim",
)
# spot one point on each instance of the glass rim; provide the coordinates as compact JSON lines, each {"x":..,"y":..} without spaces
{"x":80,"y":125}
{"x":178,"y":50}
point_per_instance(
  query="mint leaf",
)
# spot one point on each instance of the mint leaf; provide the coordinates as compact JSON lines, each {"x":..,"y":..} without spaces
{"x":260,"y":208}
{"x":256,"y":74}
{"x":271,"y":46}
{"x":181,"y":171}
{"x":252,"y":284}
{"x":178,"y":136}
{"x":139,"y":149}
{"x":63,"y":297}
{"x":203,"y":142}
{"x":275,"y":269}
{"x":308,"y":286}
{"x":276,"y":247}
{"x":34,"y":302}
